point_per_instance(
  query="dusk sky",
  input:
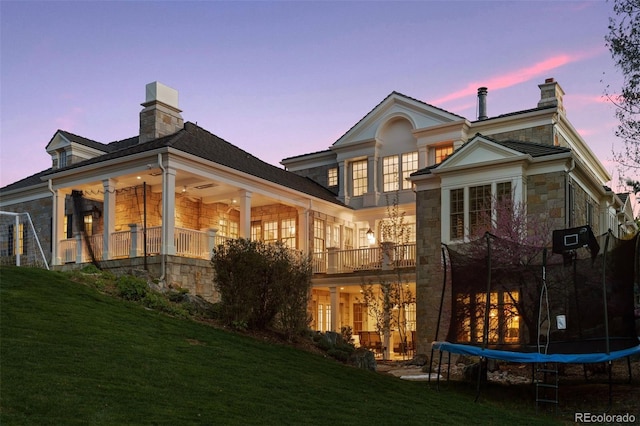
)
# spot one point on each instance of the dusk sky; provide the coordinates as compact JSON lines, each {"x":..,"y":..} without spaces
{"x":280,"y":79}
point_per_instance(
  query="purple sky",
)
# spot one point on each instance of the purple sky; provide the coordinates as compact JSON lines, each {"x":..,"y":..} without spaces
{"x":280,"y":79}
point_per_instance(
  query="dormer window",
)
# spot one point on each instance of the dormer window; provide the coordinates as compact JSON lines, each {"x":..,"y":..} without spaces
{"x":62,"y":159}
{"x":332,"y":177}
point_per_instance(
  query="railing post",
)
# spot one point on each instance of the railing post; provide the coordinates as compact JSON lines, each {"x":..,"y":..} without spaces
{"x":211,"y":240}
{"x":332,"y":267}
{"x":387,"y":255}
{"x":78,"y":237}
{"x":133,"y":250}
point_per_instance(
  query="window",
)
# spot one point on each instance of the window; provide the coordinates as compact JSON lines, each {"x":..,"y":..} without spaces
{"x":359,"y":310}
{"x":348,"y":238}
{"x":327,"y":321}
{"x":62,"y":159}
{"x":320,"y":321}
{"x":390,"y":173}
{"x":270,"y":232}
{"x":479,"y":208}
{"x":332,"y":177}
{"x":68,"y":225}
{"x":503,"y":318}
{"x":318,"y":236}
{"x":288,"y":232}
{"x":88,"y":224}
{"x":456,"y":213}
{"x":409,"y":165}
{"x":359,"y":171}
{"x":571,"y":206}
{"x":442,"y":152}
{"x":234,"y":229}
{"x":333,"y":235}
{"x":22,"y":239}
{"x":589,"y":213}
{"x":256,"y":231}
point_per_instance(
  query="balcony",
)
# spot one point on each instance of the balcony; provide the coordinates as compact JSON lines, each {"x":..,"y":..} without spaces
{"x":199,"y":245}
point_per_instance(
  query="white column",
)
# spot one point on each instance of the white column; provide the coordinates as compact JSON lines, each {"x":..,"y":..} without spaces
{"x":57,"y":227}
{"x":342,"y":180}
{"x":303,"y":229}
{"x":245,"y":214}
{"x":169,"y":212}
{"x":372,"y":174}
{"x":108,"y":216}
{"x":335,"y":309}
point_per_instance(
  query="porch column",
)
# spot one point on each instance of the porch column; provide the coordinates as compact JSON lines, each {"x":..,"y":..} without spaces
{"x":108,"y":216}
{"x":245,"y":214}
{"x":303,"y":229}
{"x":134,"y":250}
{"x":169,"y":212}
{"x":335,"y":309}
{"x":57,"y":226}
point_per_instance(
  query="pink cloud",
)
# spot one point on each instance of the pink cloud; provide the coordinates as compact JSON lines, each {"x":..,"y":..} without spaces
{"x":518,"y":76}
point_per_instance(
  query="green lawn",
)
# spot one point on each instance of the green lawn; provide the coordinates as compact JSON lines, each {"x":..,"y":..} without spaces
{"x":71,"y":355}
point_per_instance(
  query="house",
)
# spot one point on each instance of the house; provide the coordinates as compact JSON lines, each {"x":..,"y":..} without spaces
{"x":108,"y":202}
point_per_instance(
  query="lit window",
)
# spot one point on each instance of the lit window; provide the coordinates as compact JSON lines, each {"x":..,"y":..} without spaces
{"x":503,"y":318}
{"x":390,"y":173}
{"x":359,"y":171}
{"x":332,"y":177}
{"x":288,"y":232}
{"x":88,"y":224}
{"x":234,"y":229}
{"x":318,"y":236}
{"x":442,"y":152}
{"x":409,"y":165}
{"x":256,"y":231}
{"x":348,"y":238}
{"x":270,"y":232}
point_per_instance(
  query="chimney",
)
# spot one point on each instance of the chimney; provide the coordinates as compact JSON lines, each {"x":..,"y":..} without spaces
{"x":551,"y":95}
{"x":160,"y":116}
{"x":482,"y":103}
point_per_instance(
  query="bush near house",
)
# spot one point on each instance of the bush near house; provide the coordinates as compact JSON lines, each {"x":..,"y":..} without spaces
{"x":262,"y":286}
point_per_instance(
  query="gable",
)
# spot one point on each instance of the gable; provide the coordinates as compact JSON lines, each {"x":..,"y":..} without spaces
{"x":395,"y":107}
{"x":480,"y":151}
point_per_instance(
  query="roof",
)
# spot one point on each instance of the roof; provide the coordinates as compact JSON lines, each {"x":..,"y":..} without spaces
{"x":531,"y":148}
{"x":195,"y":140}
{"x":394,"y":93}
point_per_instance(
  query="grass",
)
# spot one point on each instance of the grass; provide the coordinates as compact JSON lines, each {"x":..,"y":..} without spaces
{"x":72,"y":355}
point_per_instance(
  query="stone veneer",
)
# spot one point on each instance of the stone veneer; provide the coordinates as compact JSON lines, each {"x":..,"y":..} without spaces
{"x":40,"y":211}
{"x":429,"y":273}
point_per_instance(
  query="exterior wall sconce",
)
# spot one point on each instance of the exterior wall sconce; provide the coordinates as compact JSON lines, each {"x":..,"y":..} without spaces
{"x":371,"y":236}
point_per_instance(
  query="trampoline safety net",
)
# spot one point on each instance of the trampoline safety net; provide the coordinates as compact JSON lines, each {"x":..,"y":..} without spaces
{"x":498,"y":300}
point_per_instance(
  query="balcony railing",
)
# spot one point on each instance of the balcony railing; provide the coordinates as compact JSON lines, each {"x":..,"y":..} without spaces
{"x":199,"y":244}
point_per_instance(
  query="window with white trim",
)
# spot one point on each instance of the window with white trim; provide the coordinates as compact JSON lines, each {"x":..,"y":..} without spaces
{"x":390,"y":173}
{"x":442,"y":152}
{"x":332,"y":177}
{"x":409,"y":165}
{"x":288,"y":232}
{"x":359,"y":177}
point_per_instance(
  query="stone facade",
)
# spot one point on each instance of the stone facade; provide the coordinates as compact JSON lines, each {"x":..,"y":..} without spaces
{"x":539,"y":134}
{"x":429,"y":272}
{"x":40,"y":211}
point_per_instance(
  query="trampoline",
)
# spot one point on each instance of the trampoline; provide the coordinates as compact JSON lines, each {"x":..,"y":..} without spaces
{"x":522,"y":304}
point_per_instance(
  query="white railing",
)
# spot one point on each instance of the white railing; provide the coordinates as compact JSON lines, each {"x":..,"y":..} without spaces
{"x":335,"y":261}
{"x":96,"y":246}
{"x":319,"y":262}
{"x":68,"y":250}
{"x":154,"y":240}
{"x":190,"y":243}
{"x":120,"y":244}
{"x":358,"y":259}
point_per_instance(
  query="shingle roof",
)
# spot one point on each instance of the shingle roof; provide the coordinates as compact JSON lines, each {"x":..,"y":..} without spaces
{"x":195,"y":140}
{"x":34,"y":179}
{"x":531,"y":148}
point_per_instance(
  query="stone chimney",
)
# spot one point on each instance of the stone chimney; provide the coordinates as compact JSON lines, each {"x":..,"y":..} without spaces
{"x":160,"y":116}
{"x":551,"y":95}
{"x":482,"y":103}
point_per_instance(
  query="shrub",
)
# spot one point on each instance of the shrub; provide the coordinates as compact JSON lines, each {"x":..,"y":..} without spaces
{"x":262,"y":285}
{"x":131,"y":288}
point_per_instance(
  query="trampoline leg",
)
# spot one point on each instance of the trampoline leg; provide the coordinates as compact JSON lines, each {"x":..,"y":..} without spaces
{"x":439,"y":369}
{"x":610,"y":386}
{"x":430,"y":364}
{"x":479,"y":377}
{"x":629,"y":367}
{"x":449,"y":367}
